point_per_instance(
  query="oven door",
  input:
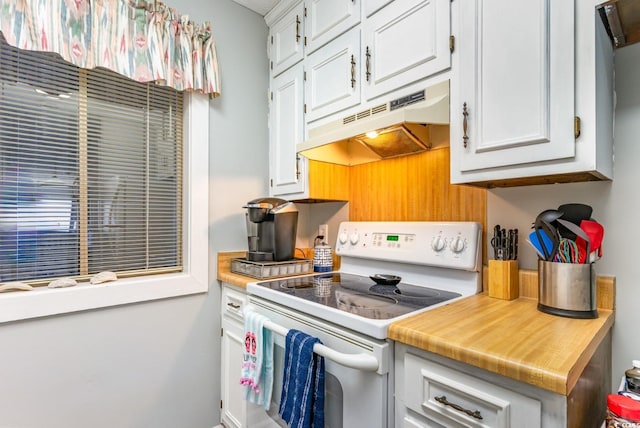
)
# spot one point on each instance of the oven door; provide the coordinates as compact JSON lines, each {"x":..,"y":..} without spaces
{"x":357,"y":388}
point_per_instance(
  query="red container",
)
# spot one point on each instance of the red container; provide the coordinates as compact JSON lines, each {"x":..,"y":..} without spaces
{"x":621,"y":411}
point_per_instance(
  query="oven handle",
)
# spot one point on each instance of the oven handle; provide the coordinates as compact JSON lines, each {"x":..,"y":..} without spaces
{"x":362,"y":361}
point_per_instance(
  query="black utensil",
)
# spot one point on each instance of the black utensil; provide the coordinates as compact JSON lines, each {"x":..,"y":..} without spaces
{"x":547,"y":221}
{"x":385,"y":279}
{"x":548,"y":216}
{"x":573,"y":213}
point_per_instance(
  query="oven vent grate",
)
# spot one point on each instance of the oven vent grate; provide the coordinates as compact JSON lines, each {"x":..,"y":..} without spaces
{"x":349,"y":119}
{"x":382,"y":108}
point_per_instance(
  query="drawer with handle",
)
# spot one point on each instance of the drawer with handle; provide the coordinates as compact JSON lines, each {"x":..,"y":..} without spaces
{"x":233,"y":302}
{"x":453,"y":398}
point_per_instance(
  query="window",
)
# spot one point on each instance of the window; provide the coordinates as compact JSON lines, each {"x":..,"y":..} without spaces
{"x":90,"y":171}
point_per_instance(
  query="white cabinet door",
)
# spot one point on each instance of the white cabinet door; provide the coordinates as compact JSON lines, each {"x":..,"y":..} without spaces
{"x":433,"y":395}
{"x":286,"y":40}
{"x":233,"y":403}
{"x":513,"y":84}
{"x":369,"y":7}
{"x":327,"y":19}
{"x":234,"y":407}
{"x":287,"y":169}
{"x":332,"y":80}
{"x":405,"y":41}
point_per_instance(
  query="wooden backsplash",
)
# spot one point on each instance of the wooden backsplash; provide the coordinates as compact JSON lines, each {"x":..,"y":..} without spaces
{"x":410,"y":188}
{"x":413,"y":188}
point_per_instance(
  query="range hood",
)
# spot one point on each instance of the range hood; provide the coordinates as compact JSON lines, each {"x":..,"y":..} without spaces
{"x":397,"y":128}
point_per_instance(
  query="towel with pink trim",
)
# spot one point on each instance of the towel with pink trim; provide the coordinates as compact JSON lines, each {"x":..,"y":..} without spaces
{"x":257,"y":360}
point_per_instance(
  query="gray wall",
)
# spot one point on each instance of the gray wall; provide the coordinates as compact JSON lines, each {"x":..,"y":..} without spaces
{"x":615,"y":205}
{"x":154,"y":364}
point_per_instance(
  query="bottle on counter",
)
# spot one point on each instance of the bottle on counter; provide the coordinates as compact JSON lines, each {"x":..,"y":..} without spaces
{"x":322,"y":257}
{"x":622,"y":412}
{"x":633,"y":377}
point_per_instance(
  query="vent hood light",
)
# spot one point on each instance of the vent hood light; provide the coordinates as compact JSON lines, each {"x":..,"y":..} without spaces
{"x":397,"y":128}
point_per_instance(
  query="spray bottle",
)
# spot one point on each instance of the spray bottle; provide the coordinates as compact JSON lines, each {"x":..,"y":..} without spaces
{"x":322,"y":258}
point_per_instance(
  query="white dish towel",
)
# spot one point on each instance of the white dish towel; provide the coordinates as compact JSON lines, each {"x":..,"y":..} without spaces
{"x":257,"y":360}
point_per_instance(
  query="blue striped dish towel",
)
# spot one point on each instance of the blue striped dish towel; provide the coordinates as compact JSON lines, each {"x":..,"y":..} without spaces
{"x":257,"y":360}
{"x":302,"y":399}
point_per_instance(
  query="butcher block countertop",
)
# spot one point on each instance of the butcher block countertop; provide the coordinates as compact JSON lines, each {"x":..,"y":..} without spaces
{"x":224,"y":269}
{"x":512,"y":337}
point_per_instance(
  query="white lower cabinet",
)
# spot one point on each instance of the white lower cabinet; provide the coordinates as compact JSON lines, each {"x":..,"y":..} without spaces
{"x":234,"y":407}
{"x":440,"y":396}
{"x":433,"y":391}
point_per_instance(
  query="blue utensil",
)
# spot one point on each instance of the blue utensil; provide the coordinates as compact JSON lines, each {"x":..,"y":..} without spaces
{"x":543,"y":251}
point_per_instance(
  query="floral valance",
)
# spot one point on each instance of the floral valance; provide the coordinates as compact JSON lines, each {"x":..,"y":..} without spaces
{"x":145,"y":41}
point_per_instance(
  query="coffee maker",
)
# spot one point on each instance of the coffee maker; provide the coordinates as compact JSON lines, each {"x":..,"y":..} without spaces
{"x":271,"y":229}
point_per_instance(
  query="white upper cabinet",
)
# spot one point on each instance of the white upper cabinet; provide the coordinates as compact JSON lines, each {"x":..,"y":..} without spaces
{"x":405,"y":41}
{"x":518,"y":86}
{"x":517,"y":92}
{"x":332,"y":80}
{"x":369,"y":7}
{"x":327,"y":19}
{"x":286,"y":40}
{"x":287,"y":169}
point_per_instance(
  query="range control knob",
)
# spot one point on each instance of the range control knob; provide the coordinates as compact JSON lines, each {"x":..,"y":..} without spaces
{"x":458,"y":244}
{"x":438,"y":243}
{"x":354,"y":238}
{"x":342,"y":237}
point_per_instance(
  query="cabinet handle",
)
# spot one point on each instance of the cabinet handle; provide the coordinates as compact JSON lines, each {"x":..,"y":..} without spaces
{"x":233,"y":305}
{"x":353,"y":71}
{"x":297,"y":28}
{"x":443,"y":400}
{"x":465,"y":114}
{"x":297,"y":167}
{"x":368,"y":63}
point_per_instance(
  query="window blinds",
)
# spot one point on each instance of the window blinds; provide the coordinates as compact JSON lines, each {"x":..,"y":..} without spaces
{"x":90,"y":171}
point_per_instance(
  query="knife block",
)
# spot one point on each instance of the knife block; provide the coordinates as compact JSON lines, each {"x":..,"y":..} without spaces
{"x":503,"y":279}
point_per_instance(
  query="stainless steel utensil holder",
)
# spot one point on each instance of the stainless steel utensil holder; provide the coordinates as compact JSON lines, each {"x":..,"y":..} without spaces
{"x":567,"y":289}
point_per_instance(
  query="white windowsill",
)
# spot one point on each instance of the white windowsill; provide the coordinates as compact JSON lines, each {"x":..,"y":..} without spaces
{"x":44,"y":301}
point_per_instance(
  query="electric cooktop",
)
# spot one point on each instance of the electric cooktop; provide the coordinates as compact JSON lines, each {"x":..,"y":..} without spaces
{"x":360,"y":294}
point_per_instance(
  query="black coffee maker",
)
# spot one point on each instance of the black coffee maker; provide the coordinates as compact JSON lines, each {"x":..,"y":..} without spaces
{"x":272,"y":224}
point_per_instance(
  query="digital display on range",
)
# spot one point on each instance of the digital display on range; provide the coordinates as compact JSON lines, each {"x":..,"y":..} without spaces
{"x":393,"y":241}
